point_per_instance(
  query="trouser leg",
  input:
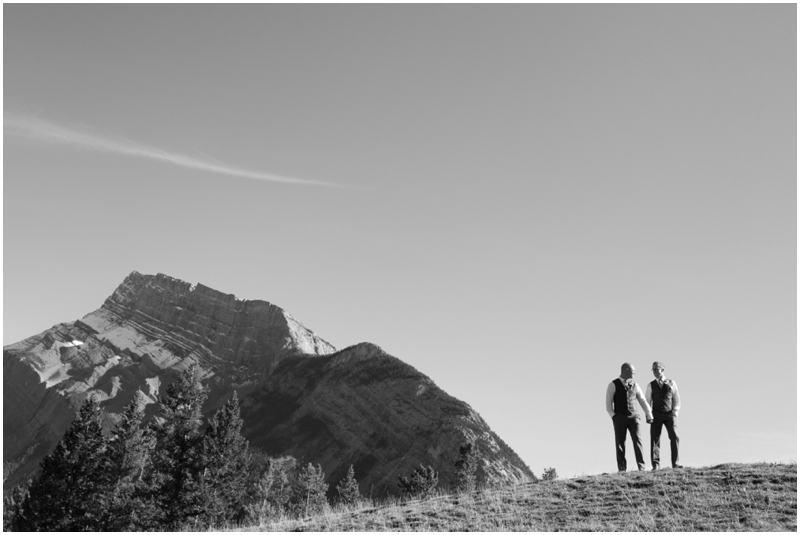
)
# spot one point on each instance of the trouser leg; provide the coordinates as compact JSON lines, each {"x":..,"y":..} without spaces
{"x":636,"y":438}
{"x":674,"y":441}
{"x":655,"y":441}
{"x":620,"y":431}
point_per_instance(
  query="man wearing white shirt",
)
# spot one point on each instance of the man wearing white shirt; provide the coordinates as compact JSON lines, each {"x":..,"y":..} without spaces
{"x":621,"y":397}
{"x":663,"y":396}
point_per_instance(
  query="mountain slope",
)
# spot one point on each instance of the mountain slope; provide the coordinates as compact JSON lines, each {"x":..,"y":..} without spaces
{"x":363,"y":407}
{"x":299,"y":396}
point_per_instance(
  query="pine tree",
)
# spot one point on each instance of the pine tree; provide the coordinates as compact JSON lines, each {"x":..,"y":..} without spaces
{"x":467,"y":467}
{"x":226,"y":459}
{"x":275,"y":488}
{"x":65,"y":496}
{"x":348,"y":488}
{"x":310,"y":490}
{"x":421,"y":483}
{"x":177,"y":460}
{"x":12,"y":506}
{"x":258,"y":504}
{"x":130,"y":450}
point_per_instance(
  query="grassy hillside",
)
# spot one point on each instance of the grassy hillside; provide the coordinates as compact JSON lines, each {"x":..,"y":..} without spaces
{"x":728,"y":497}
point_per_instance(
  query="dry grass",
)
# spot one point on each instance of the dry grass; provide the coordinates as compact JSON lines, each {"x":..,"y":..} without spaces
{"x":731,"y":497}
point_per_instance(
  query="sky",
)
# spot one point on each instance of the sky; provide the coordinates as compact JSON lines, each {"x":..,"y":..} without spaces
{"x":513,"y":199}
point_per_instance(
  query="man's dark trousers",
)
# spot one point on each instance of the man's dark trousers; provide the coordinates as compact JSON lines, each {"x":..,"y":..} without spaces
{"x":623,"y":424}
{"x":667,"y":420}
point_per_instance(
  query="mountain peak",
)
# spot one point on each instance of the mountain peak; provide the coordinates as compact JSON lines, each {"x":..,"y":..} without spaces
{"x":300,"y":397}
{"x":202,"y":323}
{"x":137,"y":283}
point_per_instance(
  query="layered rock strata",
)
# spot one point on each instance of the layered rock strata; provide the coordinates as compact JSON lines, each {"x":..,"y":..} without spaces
{"x":299,"y":396}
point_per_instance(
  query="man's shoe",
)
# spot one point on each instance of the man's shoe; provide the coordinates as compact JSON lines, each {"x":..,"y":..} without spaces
{"x":677,"y":466}
{"x":656,"y":467}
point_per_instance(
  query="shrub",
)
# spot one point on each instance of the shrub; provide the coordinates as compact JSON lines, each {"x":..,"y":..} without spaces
{"x":420,"y":484}
{"x":549,"y":474}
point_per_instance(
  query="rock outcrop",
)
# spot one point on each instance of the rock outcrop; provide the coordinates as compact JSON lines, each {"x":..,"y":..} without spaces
{"x":299,"y":396}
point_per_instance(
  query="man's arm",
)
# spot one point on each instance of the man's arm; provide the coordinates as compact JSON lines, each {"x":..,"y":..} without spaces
{"x":643,"y":402}
{"x":649,"y":394}
{"x":676,"y":399}
{"x":610,"y":398}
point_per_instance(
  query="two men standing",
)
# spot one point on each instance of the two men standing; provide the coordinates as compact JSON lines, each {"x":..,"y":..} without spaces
{"x":622,"y":395}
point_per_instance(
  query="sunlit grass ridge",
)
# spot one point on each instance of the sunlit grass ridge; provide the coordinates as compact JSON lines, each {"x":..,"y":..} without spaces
{"x":728,"y":497}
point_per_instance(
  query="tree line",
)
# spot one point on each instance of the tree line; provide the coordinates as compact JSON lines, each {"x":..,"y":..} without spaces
{"x":177,"y":473}
{"x":174,"y":473}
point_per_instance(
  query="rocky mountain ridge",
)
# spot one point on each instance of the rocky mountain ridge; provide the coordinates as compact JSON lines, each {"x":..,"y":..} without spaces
{"x":300,"y":397}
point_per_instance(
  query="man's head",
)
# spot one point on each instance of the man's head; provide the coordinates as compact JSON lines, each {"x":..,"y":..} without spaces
{"x":628,"y":371}
{"x":658,"y":369}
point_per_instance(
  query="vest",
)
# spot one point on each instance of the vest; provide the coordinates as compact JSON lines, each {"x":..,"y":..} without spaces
{"x":662,"y":396}
{"x":624,"y":399}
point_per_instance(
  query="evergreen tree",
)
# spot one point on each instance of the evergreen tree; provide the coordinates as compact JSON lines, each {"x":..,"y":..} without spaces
{"x":65,"y":495}
{"x":177,"y":460}
{"x":467,"y":467}
{"x":262,"y":486}
{"x":348,"y":488}
{"x":421,"y":483}
{"x":276,"y":489}
{"x":12,"y":506}
{"x":258,"y":503}
{"x":226,"y":460}
{"x":129,"y":452}
{"x":310,"y":490}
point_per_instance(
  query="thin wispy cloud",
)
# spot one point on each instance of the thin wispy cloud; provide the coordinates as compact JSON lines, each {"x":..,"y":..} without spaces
{"x":43,"y":131}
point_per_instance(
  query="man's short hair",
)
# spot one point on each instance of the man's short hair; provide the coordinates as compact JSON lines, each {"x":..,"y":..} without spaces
{"x":659,"y":365}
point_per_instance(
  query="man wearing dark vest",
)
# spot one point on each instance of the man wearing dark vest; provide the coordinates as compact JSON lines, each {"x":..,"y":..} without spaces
{"x":621,"y":397}
{"x":663,"y":395}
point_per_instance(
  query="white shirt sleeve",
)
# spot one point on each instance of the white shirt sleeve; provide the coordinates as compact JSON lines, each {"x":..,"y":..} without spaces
{"x":610,"y":398}
{"x":649,"y":394}
{"x":676,"y":398}
{"x":643,"y":402}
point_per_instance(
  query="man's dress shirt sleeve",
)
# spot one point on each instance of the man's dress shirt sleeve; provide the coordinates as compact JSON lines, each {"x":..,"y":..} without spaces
{"x":676,"y":398}
{"x":610,"y":398}
{"x":643,"y":402}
